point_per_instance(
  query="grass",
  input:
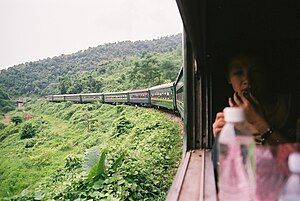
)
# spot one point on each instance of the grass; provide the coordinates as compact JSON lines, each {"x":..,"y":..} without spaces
{"x":150,"y":141}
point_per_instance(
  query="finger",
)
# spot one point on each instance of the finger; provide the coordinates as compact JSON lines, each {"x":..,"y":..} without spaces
{"x":231,"y":102}
{"x":251,"y":99}
{"x":245,"y":100}
{"x":217,"y":131}
{"x":219,"y":115}
{"x":237,"y":99}
{"x":246,"y":95}
{"x":220,"y":124}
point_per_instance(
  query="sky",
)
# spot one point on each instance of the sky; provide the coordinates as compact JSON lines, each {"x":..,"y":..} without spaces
{"x":36,"y":29}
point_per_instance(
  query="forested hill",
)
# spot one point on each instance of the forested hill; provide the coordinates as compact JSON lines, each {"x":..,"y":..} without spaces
{"x":5,"y":102}
{"x":92,"y":69}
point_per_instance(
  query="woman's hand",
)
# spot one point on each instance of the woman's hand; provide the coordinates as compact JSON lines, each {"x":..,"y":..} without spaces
{"x":218,"y":124}
{"x":253,"y":110}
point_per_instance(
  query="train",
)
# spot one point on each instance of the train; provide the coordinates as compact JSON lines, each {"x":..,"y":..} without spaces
{"x":167,"y":96}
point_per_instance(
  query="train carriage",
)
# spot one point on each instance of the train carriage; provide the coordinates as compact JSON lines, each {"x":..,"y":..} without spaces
{"x":141,"y":96}
{"x":116,"y":97}
{"x":49,"y":98}
{"x":92,"y":97}
{"x":163,"y":96}
{"x":58,"y":98}
{"x":72,"y":97}
{"x":179,"y":85}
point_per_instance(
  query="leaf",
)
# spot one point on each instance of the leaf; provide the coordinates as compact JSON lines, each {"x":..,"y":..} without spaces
{"x":95,"y":194}
{"x":97,"y":185}
{"x":91,"y":158}
{"x":102,"y":162}
{"x":98,"y":170}
{"x":167,"y":157}
{"x":38,"y":195}
{"x":118,"y":162}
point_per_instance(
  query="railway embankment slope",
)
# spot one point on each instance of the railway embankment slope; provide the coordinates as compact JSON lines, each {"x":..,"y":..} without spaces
{"x":88,"y":151}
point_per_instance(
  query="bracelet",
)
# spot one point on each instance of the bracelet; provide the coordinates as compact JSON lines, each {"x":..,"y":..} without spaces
{"x":267,"y":134}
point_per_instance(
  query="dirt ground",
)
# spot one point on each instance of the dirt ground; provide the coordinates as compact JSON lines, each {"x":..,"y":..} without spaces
{"x":6,"y":119}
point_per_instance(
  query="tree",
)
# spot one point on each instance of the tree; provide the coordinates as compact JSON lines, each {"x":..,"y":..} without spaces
{"x":6,"y":104}
{"x":63,"y":85}
{"x":16,"y":120}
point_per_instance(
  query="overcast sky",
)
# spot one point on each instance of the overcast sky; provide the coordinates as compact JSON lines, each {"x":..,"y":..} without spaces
{"x":35,"y":29}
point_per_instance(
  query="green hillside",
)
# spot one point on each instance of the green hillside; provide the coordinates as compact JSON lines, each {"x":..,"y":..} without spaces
{"x":93,"y":151}
{"x":96,"y":69}
{"x":5,"y":102}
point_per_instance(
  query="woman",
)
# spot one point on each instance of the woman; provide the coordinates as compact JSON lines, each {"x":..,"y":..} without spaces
{"x":272,"y":117}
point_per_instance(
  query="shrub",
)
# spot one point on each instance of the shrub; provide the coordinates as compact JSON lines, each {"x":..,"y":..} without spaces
{"x":16,"y":120}
{"x":27,"y":131}
{"x":8,"y":108}
{"x":72,"y":162}
{"x":2,"y":125}
{"x":68,"y":104}
{"x":30,"y":143}
{"x":69,"y":114}
{"x":122,"y":126}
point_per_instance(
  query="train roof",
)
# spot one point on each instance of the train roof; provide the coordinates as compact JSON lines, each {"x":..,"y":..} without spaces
{"x":162,"y":86}
{"x":61,"y":95}
{"x":68,"y":95}
{"x":92,"y":94}
{"x":139,"y":90}
{"x":116,"y":93}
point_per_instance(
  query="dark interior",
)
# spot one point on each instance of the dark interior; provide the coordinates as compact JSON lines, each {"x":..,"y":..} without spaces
{"x":268,"y":29}
{"x":219,"y":29}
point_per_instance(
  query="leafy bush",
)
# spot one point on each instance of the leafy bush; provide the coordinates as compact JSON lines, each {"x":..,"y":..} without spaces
{"x":30,"y":143}
{"x":2,"y":125}
{"x":8,"y":108}
{"x":72,"y":162}
{"x":16,"y":120}
{"x":27,"y":131}
{"x":69,"y":115}
{"x":122,"y":126}
{"x":6,"y":104}
{"x":39,"y":124}
{"x":68,"y":104}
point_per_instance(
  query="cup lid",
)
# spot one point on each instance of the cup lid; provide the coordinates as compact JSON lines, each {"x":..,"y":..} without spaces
{"x":294,"y":162}
{"x":234,"y":114}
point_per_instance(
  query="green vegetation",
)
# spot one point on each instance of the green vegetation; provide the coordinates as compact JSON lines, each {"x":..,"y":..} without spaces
{"x":6,"y":104}
{"x":66,"y":151}
{"x":90,"y":151}
{"x":16,"y":120}
{"x":27,"y":131}
{"x":110,"y":67}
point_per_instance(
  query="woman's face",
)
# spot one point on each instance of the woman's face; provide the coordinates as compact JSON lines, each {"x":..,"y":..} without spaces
{"x":246,"y":76}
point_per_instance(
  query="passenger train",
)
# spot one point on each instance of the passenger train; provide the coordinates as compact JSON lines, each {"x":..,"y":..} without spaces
{"x":165,"y":96}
